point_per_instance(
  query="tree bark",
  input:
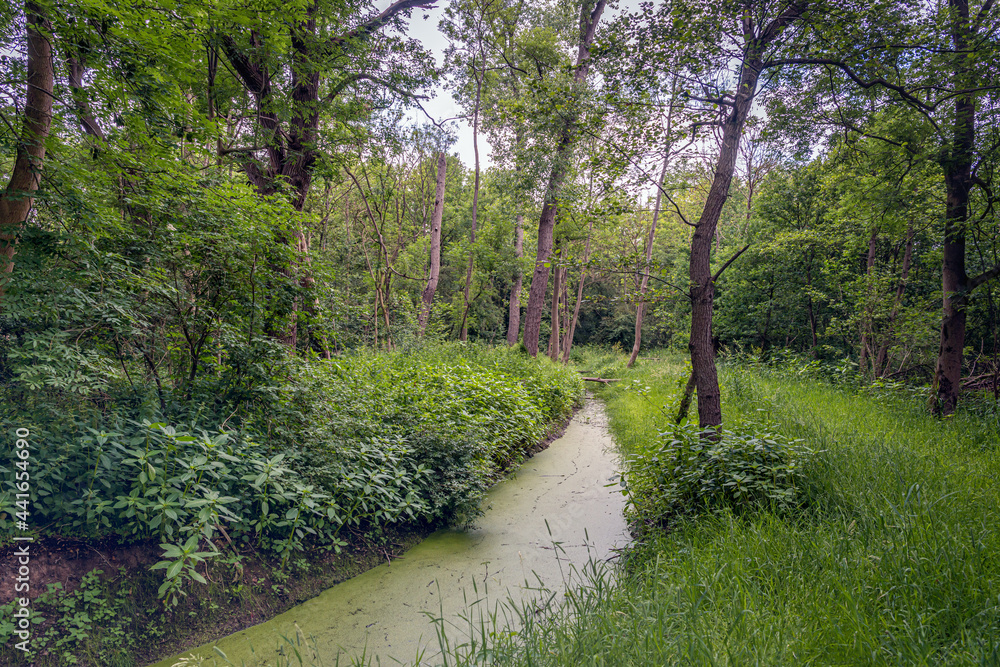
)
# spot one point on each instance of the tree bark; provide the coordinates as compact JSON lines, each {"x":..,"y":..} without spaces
{"x":579,"y":294}
{"x":700,"y":270}
{"x":881,"y":362}
{"x":557,"y":178}
{"x":435,"y":269}
{"x":955,"y":283}
{"x":641,"y":307}
{"x":16,"y":200}
{"x":514,"y":313}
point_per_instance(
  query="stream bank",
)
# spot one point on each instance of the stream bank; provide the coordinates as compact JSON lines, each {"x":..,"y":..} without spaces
{"x":550,"y":520}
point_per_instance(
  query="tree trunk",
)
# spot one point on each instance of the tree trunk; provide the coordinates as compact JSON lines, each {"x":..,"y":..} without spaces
{"x":464,"y":335}
{"x":641,"y":307}
{"x":866,"y":316}
{"x":16,"y":200}
{"x":514,"y":315}
{"x":954,"y":280}
{"x":700,"y":267}
{"x":560,"y":169}
{"x":435,"y":270}
{"x":579,"y":294}
{"x":881,"y":361}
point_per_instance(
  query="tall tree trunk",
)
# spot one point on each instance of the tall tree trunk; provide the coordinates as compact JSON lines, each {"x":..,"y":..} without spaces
{"x":579,"y":294}
{"x":560,"y":169}
{"x":640,"y":309}
{"x":866,"y":315}
{"x":514,"y":314}
{"x":881,"y":361}
{"x":700,"y":268}
{"x":464,"y":335}
{"x":16,"y":200}
{"x":957,"y":163}
{"x":435,"y":270}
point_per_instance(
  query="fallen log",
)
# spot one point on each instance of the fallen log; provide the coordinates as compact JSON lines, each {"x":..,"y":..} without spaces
{"x":604,"y":380}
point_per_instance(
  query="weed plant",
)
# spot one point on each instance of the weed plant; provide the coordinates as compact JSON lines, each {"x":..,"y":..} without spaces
{"x":890,"y":558}
{"x":349,"y":445}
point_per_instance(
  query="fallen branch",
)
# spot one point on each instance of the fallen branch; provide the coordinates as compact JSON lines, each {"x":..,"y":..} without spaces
{"x":604,"y":380}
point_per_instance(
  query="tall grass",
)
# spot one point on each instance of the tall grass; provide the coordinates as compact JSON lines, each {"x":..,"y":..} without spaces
{"x":894,"y":559}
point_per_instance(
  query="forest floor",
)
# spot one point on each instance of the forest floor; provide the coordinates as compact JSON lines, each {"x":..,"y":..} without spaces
{"x":889,"y":556}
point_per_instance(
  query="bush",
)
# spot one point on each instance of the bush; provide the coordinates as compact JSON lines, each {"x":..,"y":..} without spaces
{"x":690,"y":471}
{"x":357,"y":442}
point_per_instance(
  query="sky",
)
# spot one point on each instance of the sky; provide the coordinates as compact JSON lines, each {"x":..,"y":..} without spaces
{"x":442,"y":105}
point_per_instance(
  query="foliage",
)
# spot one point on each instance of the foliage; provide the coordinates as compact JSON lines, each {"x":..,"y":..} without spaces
{"x":355,"y":444}
{"x":688,"y":471}
{"x":889,"y":562}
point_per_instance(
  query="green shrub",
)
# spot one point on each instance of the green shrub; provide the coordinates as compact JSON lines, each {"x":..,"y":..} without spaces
{"x":357,"y":442}
{"x":690,"y":471}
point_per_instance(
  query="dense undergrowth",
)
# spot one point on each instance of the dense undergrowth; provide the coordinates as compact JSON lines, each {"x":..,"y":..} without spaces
{"x":343,"y":449}
{"x":884,"y":554}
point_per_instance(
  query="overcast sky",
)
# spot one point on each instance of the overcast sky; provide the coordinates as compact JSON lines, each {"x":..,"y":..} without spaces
{"x":442,"y":106}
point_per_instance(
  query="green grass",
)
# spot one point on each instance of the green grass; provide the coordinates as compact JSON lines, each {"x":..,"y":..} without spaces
{"x":894,"y":559}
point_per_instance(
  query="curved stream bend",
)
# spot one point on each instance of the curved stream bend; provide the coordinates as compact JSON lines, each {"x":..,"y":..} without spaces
{"x":540,"y":526}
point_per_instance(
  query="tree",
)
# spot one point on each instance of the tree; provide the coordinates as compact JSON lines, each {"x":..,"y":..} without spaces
{"x":16,"y":200}
{"x":590,"y":16}
{"x":757,"y":32}
{"x":937,"y":61}
{"x":287,"y":137}
{"x":435,"y":250}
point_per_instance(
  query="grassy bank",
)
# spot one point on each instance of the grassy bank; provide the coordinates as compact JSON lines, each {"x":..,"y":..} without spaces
{"x":888,"y":555}
{"x":206,"y":518}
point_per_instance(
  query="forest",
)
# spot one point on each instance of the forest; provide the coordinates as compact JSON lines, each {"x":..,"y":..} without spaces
{"x":285,"y":287}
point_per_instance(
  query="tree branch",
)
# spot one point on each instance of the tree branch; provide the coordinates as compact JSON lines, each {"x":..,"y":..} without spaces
{"x":373,"y":24}
{"x":728,"y":262}
{"x":354,"y":78}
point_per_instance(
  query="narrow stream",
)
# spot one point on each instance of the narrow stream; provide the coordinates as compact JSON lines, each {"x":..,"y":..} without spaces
{"x":540,"y":527}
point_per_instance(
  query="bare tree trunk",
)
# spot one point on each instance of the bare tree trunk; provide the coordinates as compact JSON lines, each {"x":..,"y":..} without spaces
{"x":514,"y":314}
{"x":640,"y":309}
{"x":475,"y":211}
{"x":17,"y":199}
{"x":881,"y":362}
{"x":866,"y":316}
{"x":579,"y":294}
{"x":435,"y":270}
{"x":560,"y":168}
{"x":555,"y":333}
